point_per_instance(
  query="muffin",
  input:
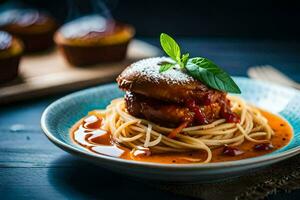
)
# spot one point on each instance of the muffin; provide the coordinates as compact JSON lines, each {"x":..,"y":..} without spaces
{"x":93,"y":39}
{"x":34,"y":28}
{"x":10,"y":53}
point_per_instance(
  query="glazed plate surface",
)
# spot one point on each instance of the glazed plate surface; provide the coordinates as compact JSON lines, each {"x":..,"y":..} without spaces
{"x":61,"y":115}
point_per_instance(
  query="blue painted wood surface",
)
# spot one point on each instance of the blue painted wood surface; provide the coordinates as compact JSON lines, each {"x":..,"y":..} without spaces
{"x":33,"y":168}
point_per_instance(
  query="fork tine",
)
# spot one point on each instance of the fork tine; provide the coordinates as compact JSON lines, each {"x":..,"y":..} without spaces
{"x":269,"y":73}
{"x":279,"y":76}
{"x":264,"y":75}
{"x":273,"y":76}
{"x":254,"y":72}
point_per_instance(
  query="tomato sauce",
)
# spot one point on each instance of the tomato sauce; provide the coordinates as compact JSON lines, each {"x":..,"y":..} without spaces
{"x":87,"y":133}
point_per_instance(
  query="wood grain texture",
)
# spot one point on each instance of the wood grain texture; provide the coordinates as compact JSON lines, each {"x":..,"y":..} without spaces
{"x":48,"y":73}
{"x":31,"y":167}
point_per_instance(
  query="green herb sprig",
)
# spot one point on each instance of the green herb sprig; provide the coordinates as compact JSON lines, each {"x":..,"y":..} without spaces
{"x":199,"y":68}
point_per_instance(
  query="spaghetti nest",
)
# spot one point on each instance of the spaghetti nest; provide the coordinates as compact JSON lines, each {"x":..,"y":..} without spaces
{"x":134,"y":133}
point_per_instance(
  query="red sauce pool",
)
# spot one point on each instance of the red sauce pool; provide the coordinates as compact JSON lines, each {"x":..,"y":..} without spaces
{"x":88,"y":134}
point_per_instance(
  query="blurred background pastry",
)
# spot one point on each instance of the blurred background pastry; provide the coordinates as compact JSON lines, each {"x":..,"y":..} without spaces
{"x":10,"y":53}
{"x":93,"y":39}
{"x":33,"y":27}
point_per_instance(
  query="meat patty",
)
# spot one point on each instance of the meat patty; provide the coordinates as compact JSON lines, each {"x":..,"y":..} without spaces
{"x":143,"y":77}
{"x":166,"y":113}
{"x":171,"y":97}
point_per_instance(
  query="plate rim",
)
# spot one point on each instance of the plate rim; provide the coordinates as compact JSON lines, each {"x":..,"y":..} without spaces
{"x":227,"y":164}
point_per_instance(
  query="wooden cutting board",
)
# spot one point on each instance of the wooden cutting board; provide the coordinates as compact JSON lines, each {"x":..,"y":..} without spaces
{"x":49,"y":73}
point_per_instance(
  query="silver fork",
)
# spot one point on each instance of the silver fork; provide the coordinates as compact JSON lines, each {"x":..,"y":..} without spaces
{"x":269,"y":73}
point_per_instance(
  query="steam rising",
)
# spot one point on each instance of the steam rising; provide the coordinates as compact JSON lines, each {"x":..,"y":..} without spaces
{"x":96,"y":7}
{"x":84,"y":25}
{"x":100,"y":7}
{"x":98,"y":19}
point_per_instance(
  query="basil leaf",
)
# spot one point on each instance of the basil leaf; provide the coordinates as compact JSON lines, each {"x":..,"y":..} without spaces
{"x":185,"y":58}
{"x":210,"y":74}
{"x":165,"y":66}
{"x":170,"y":46}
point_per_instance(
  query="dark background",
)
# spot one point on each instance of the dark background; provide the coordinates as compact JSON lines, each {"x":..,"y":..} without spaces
{"x":39,"y":170}
{"x":239,"y":19}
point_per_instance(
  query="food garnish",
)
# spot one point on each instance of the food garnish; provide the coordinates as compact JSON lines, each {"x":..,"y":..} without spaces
{"x":199,"y":68}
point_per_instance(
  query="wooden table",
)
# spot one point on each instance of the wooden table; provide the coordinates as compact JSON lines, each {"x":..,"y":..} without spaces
{"x":33,"y":168}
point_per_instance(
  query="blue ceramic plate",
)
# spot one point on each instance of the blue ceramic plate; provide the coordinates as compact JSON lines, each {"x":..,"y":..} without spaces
{"x":60,"y":116}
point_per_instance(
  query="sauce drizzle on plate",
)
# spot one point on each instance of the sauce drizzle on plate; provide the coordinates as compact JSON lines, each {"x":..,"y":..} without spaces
{"x":88,"y":134}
